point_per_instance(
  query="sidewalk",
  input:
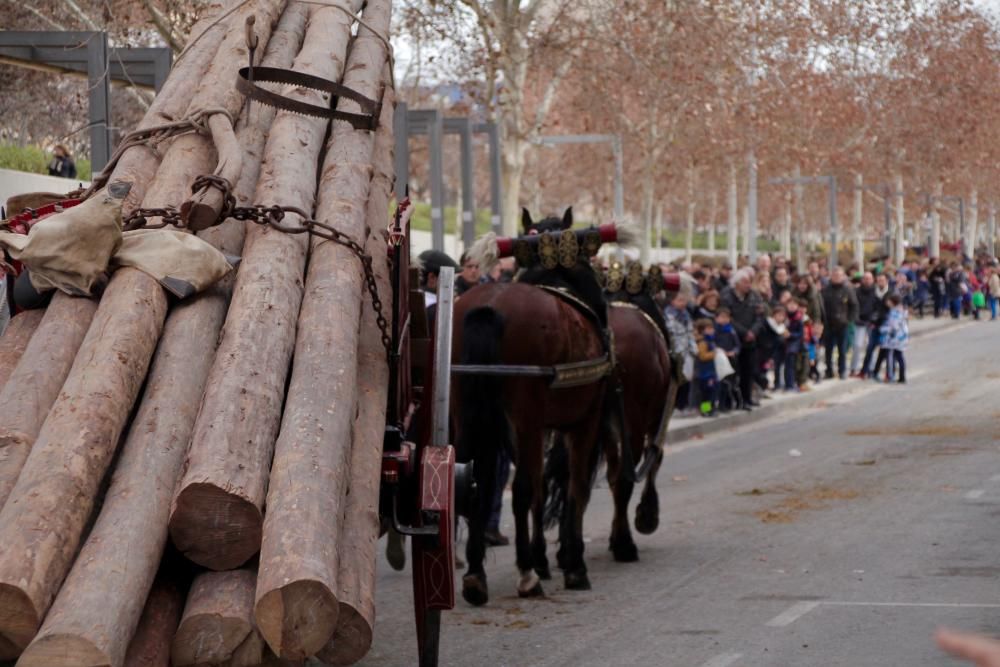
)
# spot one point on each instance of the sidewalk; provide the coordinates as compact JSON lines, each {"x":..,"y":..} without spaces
{"x":688,"y":428}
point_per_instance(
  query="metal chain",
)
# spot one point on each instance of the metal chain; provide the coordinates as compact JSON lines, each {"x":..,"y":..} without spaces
{"x":139,"y":218}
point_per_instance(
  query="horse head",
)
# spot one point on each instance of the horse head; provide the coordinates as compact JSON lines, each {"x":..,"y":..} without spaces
{"x":550,"y":224}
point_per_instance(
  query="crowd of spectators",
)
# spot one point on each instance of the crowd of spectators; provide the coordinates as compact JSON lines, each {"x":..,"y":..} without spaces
{"x":740,"y":333}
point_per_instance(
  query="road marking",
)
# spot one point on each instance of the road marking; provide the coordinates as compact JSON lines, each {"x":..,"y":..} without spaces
{"x":793,"y":613}
{"x":724,"y":660}
{"x":942,"y":605}
{"x":975,"y":494}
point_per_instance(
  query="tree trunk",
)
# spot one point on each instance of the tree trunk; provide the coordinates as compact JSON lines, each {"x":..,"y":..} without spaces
{"x":217,"y":513}
{"x":991,"y":232}
{"x":297,"y":606}
{"x":150,"y":645}
{"x":647,"y":206}
{"x":800,"y":223}
{"x":973,"y":224}
{"x":712,"y":220}
{"x":35,"y":382}
{"x":42,"y":522}
{"x":935,"y":249}
{"x":689,"y":230}
{"x":658,"y":234}
{"x":14,"y":341}
{"x":858,"y":232}
{"x":513,"y":153}
{"x":359,"y":535}
{"x":133,"y":518}
{"x":732,"y":208}
{"x":217,"y":620}
{"x":786,"y":227}
{"x":745,"y":232}
{"x":900,"y":220}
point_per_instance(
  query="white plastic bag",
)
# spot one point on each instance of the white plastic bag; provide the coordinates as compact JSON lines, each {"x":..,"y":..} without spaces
{"x":723,"y":367}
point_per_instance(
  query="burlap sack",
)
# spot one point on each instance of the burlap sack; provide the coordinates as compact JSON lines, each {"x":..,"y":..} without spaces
{"x":69,"y":251}
{"x":182,"y":263}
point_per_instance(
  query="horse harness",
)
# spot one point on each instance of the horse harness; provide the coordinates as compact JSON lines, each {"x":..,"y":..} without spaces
{"x":563,"y":376}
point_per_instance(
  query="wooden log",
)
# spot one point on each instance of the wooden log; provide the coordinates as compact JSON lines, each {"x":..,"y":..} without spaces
{"x":359,"y":536}
{"x":133,"y":519}
{"x":44,"y":517}
{"x":217,"y":620}
{"x":150,"y":645}
{"x":297,"y":606}
{"x":14,"y":341}
{"x":216,"y":90}
{"x":216,"y":519}
{"x":32,"y":387}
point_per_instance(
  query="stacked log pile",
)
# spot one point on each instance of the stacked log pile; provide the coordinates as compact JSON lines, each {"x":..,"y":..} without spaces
{"x":236,"y":433}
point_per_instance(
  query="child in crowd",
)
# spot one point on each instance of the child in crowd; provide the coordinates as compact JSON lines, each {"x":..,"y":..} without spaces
{"x":727,"y":340}
{"x":921,"y":292}
{"x":793,"y":343}
{"x":814,"y":337}
{"x":704,"y":366}
{"x":772,"y":346}
{"x":895,"y":336}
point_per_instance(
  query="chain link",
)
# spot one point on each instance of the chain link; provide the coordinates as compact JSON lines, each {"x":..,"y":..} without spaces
{"x":139,"y":218}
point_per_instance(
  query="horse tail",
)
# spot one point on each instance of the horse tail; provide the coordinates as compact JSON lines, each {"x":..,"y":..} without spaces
{"x":555,"y":481}
{"x":484,"y":430}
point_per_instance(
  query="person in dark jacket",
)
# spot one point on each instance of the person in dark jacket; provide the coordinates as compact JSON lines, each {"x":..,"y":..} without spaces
{"x":62,"y":164}
{"x":880,"y":310}
{"x":865,"y":293}
{"x":746,"y":307}
{"x":955,"y":288}
{"x":840,"y":306}
{"x":938,"y":275}
{"x":727,"y":340}
{"x":806,"y":290}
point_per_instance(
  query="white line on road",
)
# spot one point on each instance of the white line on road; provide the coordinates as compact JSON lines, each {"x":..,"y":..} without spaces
{"x":724,"y":660}
{"x":793,"y":613}
{"x":975,"y":494}
{"x":945,"y":605}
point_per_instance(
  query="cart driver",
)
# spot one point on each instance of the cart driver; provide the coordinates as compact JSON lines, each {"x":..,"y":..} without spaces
{"x":431,"y":262}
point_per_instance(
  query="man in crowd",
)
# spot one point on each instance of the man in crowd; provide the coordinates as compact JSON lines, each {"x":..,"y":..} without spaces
{"x":865,"y":293}
{"x":880,"y":310}
{"x":469,"y":277}
{"x":840,"y":308}
{"x":746,"y":308}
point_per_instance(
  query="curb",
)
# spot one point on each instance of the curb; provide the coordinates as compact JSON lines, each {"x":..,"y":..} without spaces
{"x":707,"y":427}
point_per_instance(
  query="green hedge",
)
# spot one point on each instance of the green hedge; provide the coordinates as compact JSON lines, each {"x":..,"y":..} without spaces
{"x":33,"y":159}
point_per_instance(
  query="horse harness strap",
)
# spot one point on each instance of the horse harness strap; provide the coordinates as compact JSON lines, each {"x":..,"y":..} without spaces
{"x":564,"y":376}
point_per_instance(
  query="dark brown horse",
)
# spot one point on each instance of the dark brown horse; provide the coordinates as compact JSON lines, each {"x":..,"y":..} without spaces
{"x":517,"y":324}
{"x":644,"y":369}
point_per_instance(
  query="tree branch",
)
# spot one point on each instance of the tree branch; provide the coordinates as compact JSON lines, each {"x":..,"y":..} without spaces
{"x":163,"y":27}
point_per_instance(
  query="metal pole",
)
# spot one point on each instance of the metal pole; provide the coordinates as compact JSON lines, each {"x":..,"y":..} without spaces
{"x":752,"y":206}
{"x":834,"y":259}
{"x":98,"y":83}
{"x":463,"y":127}
{"x":493,"y":135}
{"x":437,"y":184}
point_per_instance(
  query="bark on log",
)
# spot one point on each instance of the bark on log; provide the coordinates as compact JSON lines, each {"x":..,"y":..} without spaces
{"x":217,"y":620}
{"x":296,"y":590}
{"x":139,"y":164}
{"x":133,"y":520}
{"x":150,"y":646}
{"x":31,"y":389}
{"x":216,"y":519}
{"x":357,"y":550}
{"x":42,"y":522}
{"x":14,"y":341}
{"x":216,"y":90}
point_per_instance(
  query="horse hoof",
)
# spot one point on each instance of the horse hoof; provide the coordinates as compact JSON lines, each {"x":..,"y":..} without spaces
{"x":474,"y":590}
{"x":625,"y":552}
{"x":529,"y":585}
{"x":646,"y":521}
{"x":577,"y":581}
{"x":544,"y":573}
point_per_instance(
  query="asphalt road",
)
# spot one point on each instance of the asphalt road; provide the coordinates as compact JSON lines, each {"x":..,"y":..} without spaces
{"x":839,"y":534}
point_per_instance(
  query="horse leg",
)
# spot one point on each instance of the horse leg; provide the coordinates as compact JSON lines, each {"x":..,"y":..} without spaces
{"x":647,"y":514}
{"x":581,"y":442}
{"x":538,"y":546}
{"x":621,"y":493}
{"x":527,"y":493}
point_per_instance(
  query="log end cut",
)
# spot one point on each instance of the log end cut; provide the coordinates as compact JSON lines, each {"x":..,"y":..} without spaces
{"x":214,"y":528}
{"x":61,"y":650}
{"x":208,"y":639}
{"x":19,"y":621}
{"x":351,"y":641}
{"x":297,"y":620}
